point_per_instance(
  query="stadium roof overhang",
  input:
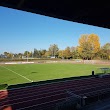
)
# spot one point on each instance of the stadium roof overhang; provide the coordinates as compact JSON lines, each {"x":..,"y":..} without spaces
{"x":82,"y":11}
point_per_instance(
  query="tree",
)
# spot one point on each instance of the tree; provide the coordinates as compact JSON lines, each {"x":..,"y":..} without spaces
{"x":67,"y":53}
{"x":30,"y":54}
{"x":93,"y":39}
{"x":6,"y":54}
{"x":89,"y":46}
{"x":20,"y":55}
{"x":53,"y":49}
{"x":61,"y":54}
{"x":105,"y":51}
{"x":36,"y":53}
{"x":47,"y":54}
{"x":26,"y":53}
{"x":106,"y":46}
{"x":10,"y":55}
{"x":74,"y":52}
{"x":43,"y":52}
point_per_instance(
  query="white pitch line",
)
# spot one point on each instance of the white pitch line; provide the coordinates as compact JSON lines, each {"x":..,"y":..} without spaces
{"x":17,"y":74}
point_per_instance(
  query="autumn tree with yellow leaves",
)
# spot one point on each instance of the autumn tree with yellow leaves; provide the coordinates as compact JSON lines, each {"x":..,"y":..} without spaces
{"x":89,"y":46}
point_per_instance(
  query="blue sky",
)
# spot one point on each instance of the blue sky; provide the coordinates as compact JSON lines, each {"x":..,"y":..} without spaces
{"x":20,"y":31}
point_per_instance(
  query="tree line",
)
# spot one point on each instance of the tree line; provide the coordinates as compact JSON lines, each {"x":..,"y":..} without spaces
{"x":89,"y":48}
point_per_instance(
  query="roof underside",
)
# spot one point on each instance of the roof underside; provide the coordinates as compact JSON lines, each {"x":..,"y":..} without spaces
{"x":82,"y":11}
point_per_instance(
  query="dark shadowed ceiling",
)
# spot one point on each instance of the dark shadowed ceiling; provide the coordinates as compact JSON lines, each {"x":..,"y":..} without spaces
{"x":82,"y":11}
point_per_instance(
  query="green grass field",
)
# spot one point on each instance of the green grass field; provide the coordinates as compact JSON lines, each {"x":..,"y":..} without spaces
{"x":22,"y":73}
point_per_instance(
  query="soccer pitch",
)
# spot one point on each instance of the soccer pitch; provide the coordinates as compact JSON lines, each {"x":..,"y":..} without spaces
{"x":23,"y":73}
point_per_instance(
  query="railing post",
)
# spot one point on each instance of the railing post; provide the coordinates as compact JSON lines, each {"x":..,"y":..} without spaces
{"x":92,"y":73}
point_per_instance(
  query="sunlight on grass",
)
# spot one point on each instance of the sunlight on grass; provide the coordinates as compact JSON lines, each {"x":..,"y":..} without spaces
{"x":40,"y":72}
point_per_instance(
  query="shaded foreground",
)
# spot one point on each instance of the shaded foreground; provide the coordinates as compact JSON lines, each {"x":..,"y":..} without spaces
{"x":64,"y":94}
